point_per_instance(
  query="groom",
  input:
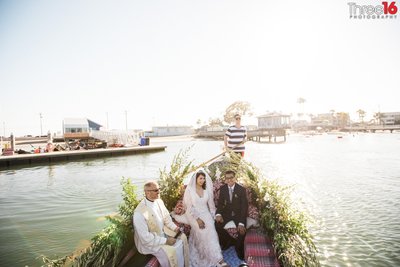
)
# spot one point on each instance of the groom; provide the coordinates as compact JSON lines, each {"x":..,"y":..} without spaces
{"x":232,"y":211}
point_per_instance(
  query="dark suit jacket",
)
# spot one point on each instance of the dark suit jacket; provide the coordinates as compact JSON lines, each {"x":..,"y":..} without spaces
{"x":238,"y":207}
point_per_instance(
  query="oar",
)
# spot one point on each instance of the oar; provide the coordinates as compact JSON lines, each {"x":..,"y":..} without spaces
{"x":217,"y":156}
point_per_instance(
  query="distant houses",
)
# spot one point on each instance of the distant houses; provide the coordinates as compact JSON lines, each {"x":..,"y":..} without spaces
{"x":270,"y":124}
{"x":323,"y":122}
{"x":389,"y":118}
{"x":169,"y":131}
{"x":274,"y":120}
{"x":89,"y":131}
{"x":79,"y":127}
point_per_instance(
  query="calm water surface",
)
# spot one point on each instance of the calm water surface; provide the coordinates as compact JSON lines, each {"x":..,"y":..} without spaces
{"x":351,"y":186}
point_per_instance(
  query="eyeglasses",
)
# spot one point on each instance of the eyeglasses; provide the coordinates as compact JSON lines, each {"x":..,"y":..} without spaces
{"x":238,"y":118}
{"x":154,"y":190}
{"x":229,"y":177}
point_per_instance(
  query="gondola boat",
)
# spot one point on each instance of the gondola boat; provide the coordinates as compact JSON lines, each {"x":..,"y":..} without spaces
{"x":270,"y":220}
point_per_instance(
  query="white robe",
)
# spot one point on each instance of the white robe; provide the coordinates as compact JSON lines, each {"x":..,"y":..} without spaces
{"x":149,"y":242}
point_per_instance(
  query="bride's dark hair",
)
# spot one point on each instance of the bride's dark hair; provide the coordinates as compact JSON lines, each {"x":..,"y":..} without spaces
{"x":204,"y":175}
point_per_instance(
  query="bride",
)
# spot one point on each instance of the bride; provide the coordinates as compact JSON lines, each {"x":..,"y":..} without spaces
{"x":198,"y":200}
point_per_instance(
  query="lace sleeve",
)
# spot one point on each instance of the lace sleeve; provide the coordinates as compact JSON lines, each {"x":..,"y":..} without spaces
{"x":211,"y":205}
{"x":189,"y":205}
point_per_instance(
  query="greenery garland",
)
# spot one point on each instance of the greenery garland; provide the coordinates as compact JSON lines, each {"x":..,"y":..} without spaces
{"x":279,"y":218}
{"x":108,"y":246}
{"x":171,"y":182}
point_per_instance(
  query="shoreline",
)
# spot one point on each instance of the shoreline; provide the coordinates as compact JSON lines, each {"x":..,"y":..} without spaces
{"x":74,"y":155}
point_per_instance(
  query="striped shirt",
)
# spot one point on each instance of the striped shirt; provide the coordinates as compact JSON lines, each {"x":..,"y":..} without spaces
{"x":236,"y":136}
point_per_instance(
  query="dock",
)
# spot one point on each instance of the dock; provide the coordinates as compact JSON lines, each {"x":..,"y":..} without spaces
{"x":74,"y":155}
{"x":257,"y":135}
{"x":372,"y":128}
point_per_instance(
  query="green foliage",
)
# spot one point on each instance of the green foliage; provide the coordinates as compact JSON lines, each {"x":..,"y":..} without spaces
{"x":171,"y":182}
{"x":53,"y":262}
{"x":287,"y":226}
{"x":215,"y":122}
{"x":129,"y":199}
{"x":108,"y":245}
{"x":238,"y":107}
{"x":280,"y":220}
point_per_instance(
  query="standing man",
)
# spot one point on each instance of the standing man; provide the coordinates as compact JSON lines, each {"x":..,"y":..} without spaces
{"x":235,"y":136}
{"x":232,"y":210}
{"x":149,"y":220}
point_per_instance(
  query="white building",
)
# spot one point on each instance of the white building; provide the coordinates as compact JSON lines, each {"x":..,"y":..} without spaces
{"x":77,"y":128}
{"x":85,"y":129}
{"x":170,"y":131}
{"x":273,"y":121}
{"x":390,"y":118}
{"x":79,"y":125}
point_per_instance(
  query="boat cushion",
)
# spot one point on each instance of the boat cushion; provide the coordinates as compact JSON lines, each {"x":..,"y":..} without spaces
{"x":258,"y":250}
{"x":153,"y":262}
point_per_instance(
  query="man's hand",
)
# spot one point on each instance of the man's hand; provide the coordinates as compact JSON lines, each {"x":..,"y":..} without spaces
{"x":219,"y":219}
{"x":171,"y":241}
{"x":241,"y":229}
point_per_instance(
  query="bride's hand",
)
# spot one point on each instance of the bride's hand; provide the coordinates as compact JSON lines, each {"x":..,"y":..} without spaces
{"x":201,"y":223}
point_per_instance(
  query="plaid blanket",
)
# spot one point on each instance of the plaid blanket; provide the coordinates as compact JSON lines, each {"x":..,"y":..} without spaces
{"x":153,"y":262}
{"x":258,"y":250}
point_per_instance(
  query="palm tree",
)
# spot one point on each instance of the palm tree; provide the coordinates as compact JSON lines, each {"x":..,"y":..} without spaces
{"x":361,"y":115}
{"x":332,"y":119}
{"x":378,"y":117}
{"x":301,"y":102}
{"x":343,"y":119}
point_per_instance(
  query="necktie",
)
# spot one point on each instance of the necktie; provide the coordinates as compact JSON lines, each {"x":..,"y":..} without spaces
{"x":230,"y":193}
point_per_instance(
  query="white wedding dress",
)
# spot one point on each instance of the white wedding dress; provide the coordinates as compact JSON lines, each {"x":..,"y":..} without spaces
{"x":204,"y":248}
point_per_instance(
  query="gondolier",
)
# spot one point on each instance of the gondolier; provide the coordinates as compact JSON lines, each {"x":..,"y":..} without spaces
{"x":235,"y":136}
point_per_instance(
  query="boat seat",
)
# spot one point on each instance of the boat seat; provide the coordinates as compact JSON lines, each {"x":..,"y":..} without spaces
{"x":153,"y":262}
{"x":258,"y":250}
{"x":135,"y":259}
{"x":139,"y":260}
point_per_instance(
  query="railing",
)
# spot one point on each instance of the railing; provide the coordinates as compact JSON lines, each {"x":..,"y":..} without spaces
{"x":373,"y":127}
{"x":117,"y":137}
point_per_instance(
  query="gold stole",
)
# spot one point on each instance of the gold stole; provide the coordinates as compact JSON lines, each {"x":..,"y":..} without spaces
{"x":149,"y":216}
{"x":182,"y":237}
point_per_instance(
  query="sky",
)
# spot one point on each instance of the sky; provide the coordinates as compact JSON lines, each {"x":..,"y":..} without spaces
{"x":174,"y":62}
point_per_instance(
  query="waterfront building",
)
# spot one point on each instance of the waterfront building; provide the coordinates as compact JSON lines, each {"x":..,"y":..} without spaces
{"x":207,"y":128}
{"x":324,"y":119}
{"x":343,"y":119}
{"x":169,"y":131}
{"x":90,"y":131}
{"x":274,"y":120}
{"x":390,"y":118}
{"x":79,"y":127}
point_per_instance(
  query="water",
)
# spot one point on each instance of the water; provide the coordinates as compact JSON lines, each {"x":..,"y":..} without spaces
{"x":351,"y":186}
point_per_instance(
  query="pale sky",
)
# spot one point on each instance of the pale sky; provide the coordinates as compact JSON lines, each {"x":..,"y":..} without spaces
{"x":174,"y":62}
